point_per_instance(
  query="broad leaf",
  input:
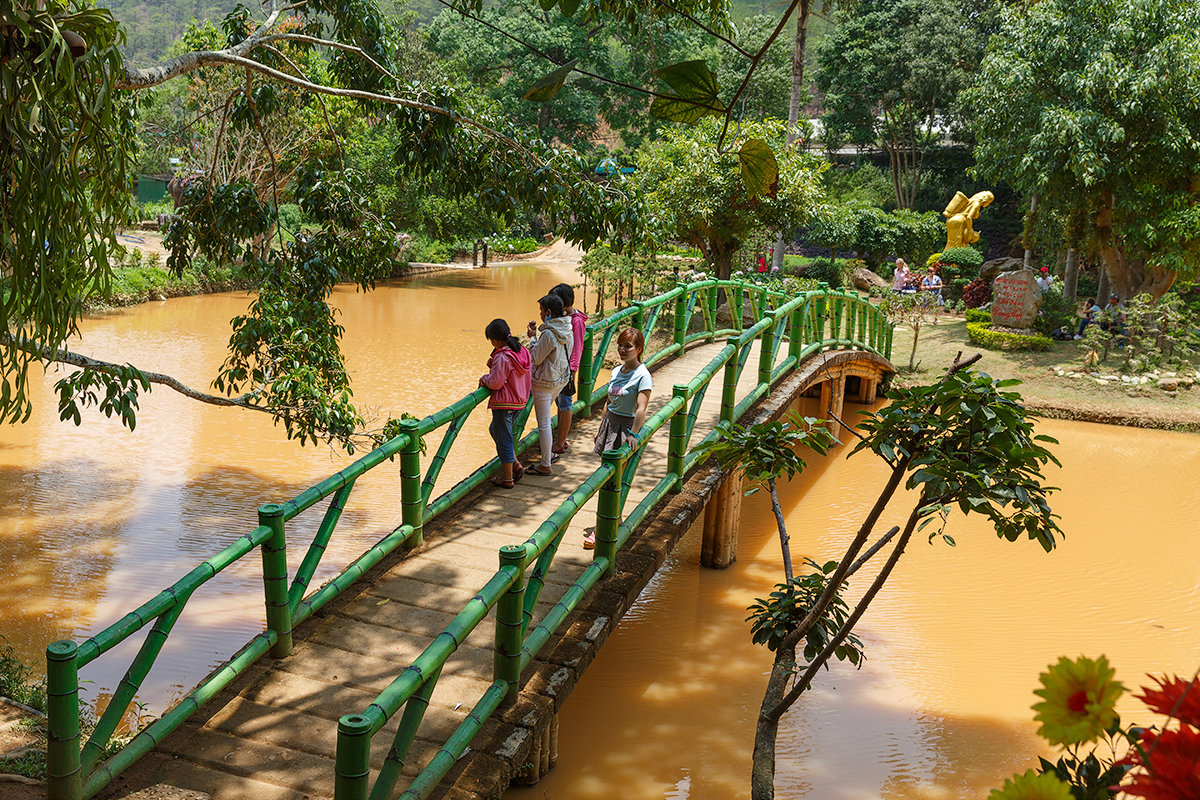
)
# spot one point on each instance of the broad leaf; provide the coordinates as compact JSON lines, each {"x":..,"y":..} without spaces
{"x":693,"y":93}
{"x":547,"y":86}
{"x":760,"y":170}
{"x":568,"y":7}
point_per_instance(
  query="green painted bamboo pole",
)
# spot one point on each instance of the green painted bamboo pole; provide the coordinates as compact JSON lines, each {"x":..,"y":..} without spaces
{"x":510,"y":624}
{"x":412,"y":511}
{"x":586,"y":377}
{"x":352,"y":762}
{"x":766,"y":350}
{"x":406,"y":734}
{"x":796,"y":334}
{"x":307,"y":607}
{"x":128,"y":687}
{"x":677,"y":441}
{"x":608,"y":510}
{"x":456,"y":745}
{"x":540,"y":634}
{"x":435,"y":466}
{"x":729,"y":390}
{"x":275,"y":579}
{"x":156,"y":731}
{"x":64,"y":774}
{"x":316,"y":550}
{"x":681,"y":319}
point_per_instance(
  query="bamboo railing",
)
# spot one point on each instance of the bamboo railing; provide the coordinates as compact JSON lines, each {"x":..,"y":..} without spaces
{"x":809,"y":322}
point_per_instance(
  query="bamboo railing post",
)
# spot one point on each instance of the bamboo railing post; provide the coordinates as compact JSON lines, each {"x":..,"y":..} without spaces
{"x":729,"y":390}
{"x":766,"y":350}
{"x":412,"y":512}
{"x":887,"y":353}
{"x":820,"y":305}
{"x":275,"y":579}
{"x":714,"y":297}
{"x":586,"y":360}
{"x":796,"y":332}
{"x":681,"y":303}
{"x":510,"y":622}
{"x":735,"y":305}
{"x":676,"y":443}
{"x":608,"y":511}
{"x":352,"y":761}
{"x":639,"y":316}
{"x":64,"y":775}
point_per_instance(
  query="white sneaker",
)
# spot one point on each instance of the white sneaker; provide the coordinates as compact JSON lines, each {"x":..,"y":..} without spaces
{"x":1077,"y":336}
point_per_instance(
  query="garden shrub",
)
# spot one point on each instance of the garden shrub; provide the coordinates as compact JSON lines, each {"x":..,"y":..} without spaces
{"x":980,"y":335}
{"x":977,"y":315}
{"x":977,"y":293}
{"x":826,"y":273}
{"x":965,"y":258}
{"x":1056,"y":312}
{"x":290,"y":217}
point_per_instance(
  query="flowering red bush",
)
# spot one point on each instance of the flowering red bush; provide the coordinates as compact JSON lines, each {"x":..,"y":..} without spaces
{"x":976,"y":293}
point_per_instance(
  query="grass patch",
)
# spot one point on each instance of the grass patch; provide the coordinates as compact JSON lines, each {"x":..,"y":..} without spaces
{"x":142,"y":278}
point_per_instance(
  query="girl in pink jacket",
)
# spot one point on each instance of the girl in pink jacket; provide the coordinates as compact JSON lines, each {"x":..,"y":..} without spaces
{"x":509,"y":380}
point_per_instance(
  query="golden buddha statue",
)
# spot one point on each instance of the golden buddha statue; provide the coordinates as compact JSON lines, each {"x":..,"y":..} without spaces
{"x":959,"y":213}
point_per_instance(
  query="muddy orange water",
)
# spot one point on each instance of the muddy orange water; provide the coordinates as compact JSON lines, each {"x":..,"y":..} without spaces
{"x":955,"y":641}
{"x":94,"y":520}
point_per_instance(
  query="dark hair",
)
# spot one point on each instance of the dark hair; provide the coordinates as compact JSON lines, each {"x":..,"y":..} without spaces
{"x":498,"y":330}
{"x":565,"y":293}
{"x":552,"y":303}
{"x":634,"y":337}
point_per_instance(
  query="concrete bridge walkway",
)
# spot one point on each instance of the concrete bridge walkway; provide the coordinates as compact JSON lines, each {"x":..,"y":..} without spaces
{"x":271,"y":735}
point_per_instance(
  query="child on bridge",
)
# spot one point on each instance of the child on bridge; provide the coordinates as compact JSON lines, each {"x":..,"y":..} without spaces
{"x":578,"y":332}
{"x":550,"y":348}
{"x":509,"y":380}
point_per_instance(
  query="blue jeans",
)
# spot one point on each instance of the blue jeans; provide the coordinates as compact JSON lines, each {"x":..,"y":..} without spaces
{"x":501,"y":430}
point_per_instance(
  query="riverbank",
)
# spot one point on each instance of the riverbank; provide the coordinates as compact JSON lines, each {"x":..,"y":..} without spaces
{"x":1073,"y":396}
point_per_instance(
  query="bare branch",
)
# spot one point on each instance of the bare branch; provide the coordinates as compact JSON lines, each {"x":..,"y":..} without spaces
{"x":75,"y":359}
{"x":349,"y":48}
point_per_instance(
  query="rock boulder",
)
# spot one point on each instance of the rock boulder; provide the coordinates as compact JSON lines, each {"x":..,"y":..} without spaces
{"x":991,"y":269}
{"x":864,"y":279}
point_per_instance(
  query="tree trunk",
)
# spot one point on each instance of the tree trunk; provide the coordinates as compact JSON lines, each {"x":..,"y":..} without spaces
{"x":1102,"y":285}
{"x":784,"y":539}
{"x":766,"y":729}
{"x":794,"y":105}
{"x":722,"y":260}
{"x":1071,"y":275}
{"x":1026,"y":236}
{"x":911,"y":356}
{"x":1128,"y":278}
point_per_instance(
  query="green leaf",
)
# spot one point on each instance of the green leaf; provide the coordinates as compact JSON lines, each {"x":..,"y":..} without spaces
{"x":547,"y":4}
{"x":547,"y":86}
{"x":694,"y":93}
{"x":760,"y":170}
{"x":568,"y":7}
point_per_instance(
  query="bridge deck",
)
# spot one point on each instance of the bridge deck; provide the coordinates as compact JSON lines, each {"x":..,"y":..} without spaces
{"x":272,"y":735}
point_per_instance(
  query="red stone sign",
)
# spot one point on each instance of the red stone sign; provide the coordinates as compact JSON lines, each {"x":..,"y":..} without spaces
{"x":1016,"y":299}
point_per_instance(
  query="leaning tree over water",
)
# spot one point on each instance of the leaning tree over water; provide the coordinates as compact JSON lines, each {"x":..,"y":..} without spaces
{"x":67,"y":107}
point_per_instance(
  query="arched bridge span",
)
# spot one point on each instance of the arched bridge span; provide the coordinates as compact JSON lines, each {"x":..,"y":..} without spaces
{"x":382,"y":679}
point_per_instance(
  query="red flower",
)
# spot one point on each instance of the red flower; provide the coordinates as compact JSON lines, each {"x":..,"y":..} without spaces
{"x":1175,"y":698}
{"x":1168,"y":766}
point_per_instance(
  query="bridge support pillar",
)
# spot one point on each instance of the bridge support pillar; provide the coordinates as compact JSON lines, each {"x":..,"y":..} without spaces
{"x":543,"y":756}
{"x":722,"y":517}
{"x":867,"y":389}
{"x":833,"y":399}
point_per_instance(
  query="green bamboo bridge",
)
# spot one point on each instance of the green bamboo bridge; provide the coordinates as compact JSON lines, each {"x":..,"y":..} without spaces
{"x":380,"y":680}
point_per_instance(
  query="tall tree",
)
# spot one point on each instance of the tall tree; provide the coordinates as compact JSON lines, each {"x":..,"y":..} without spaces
{"x":890,"y":74}
{"x":1110,"y":130}
{"x":697,"y":191}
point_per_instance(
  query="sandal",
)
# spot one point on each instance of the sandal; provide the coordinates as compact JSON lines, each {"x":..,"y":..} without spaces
{"x":518,"y":472}
{"x":538,"y":469}
{"x":562,"y":448}
{"x":503,"y":484}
